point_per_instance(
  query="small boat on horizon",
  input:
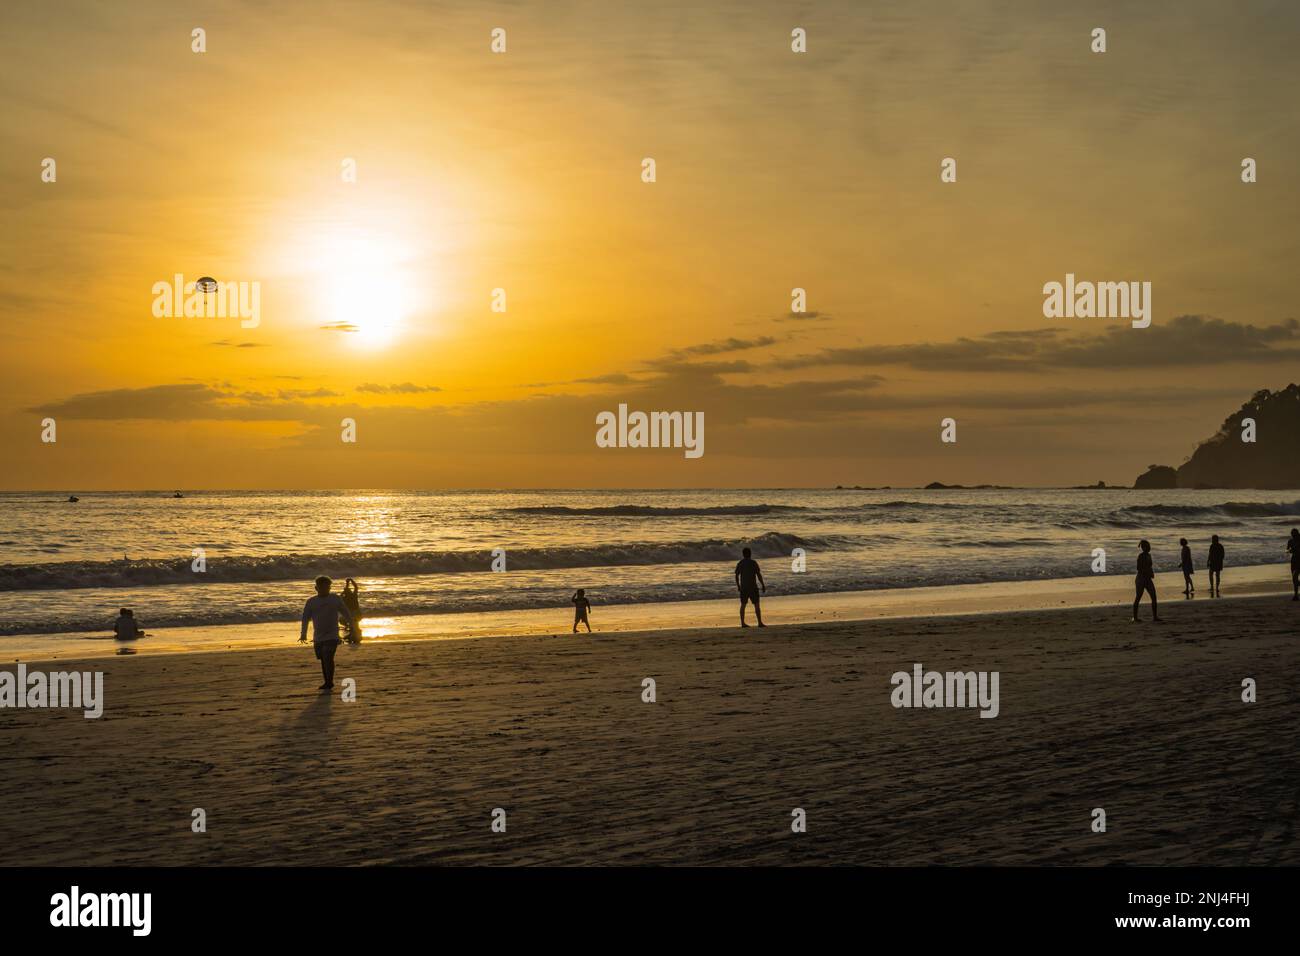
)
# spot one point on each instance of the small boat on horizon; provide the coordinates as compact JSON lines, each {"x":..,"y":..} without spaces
{"x":73,"y":498}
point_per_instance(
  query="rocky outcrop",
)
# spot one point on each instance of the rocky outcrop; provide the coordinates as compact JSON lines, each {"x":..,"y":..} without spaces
{"x":1225,"y":460}
{"x":1157,"y":476}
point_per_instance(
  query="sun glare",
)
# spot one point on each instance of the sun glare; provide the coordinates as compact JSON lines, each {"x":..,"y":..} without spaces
{"x":363,"y":290}
{"x":368,"y":301}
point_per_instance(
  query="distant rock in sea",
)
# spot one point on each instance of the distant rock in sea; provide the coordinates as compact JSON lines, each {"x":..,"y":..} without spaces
{"x":1272,"y":460}
{"x":940,"y":486}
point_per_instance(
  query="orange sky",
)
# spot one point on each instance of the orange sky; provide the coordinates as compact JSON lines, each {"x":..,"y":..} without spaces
{"x":521,"y":171}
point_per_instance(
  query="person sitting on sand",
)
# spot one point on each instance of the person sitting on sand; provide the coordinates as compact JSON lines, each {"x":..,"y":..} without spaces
{"x":748,"y":579}
{"x":1215,"y":564}
{"x":1189,"y":587}
{"x":581,"y":608}
{"x":323,"y":611}
{"x":1145,"y":580}
{"x":125,"y":627}
{"x":351,"y":597}
{"x":1293,"y":546}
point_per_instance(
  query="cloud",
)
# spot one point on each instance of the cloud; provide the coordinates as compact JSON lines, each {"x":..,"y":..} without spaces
{"x":613,"y":378}
{"x":341,"y":327}
{"x":973,"y":355}
{"x":723,"y":346}
{"x":610,"y":378}
{"x":674,"y":364}
{"x":402,"y":388}
{"x":852,"y":416}
{"x":184,"y":402}
{"x":1187,"y":340}
{"x":239,"y":345}
{"x":760,"y":411}
{"x":804,"y":316}
{"x":291,"y":394}
{"x":181,"y":403}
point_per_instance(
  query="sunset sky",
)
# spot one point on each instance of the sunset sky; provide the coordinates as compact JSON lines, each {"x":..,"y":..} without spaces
{"x":522,"y":171}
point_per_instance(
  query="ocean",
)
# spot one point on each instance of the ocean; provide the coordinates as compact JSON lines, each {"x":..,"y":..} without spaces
{"x":68,"y":567}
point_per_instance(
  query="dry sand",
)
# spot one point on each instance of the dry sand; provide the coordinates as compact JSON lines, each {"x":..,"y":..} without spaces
{"x":1145,"y":721}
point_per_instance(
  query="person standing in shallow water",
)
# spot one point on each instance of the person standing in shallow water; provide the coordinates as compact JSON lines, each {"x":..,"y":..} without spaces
{"x":1145,"y":580}
{"x":352,"y":598}
{"x":1293,"y":546}
{"x":323,"y":611}
{"x":1215,"y":565}
{"x":748,"y":579}
{"x":1185,"y":557}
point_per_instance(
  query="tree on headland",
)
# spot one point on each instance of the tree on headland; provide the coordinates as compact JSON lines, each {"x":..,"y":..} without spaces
{"x":1224,"y":460}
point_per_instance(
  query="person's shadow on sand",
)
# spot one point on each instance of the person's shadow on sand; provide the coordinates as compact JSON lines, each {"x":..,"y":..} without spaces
{"x":306,"y":740}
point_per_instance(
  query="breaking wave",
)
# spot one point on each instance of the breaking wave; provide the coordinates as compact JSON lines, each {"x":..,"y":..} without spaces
{"x":653,"y":511}
{"x":147,"y":572}
{"x":1229,"y":509}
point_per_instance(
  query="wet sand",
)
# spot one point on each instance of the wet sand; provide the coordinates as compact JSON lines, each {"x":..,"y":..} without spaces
{"x":1097,"y":590}
{"x":1145,"y":721}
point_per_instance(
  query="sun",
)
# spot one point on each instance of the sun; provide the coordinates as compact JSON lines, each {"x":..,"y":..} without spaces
{"x":362,"y":288}
{"x":367,"y":301}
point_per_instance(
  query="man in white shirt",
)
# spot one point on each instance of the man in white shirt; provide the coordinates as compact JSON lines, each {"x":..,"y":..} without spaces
{"x":323,"y":611}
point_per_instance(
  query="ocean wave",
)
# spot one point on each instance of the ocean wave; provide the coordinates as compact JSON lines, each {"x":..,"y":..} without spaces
{"x":1231,"y":509}
{"x":1004,"y":543}
{"x":1201,"y":521}
{"x":921,"y":505}
{"x":147,"y":572}
{"x":653,"y":511}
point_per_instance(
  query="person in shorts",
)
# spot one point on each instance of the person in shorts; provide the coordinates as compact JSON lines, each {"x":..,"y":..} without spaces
{"x":1145,"y":581}
{"x":1214,"y":563}
{"x":581,"y":610}
{"x":748,"y":580}
{"x":1185,"y":562}
{"x":323,"y":611}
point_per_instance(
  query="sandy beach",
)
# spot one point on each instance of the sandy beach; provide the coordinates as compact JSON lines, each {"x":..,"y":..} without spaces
{"x":1145,"y":721}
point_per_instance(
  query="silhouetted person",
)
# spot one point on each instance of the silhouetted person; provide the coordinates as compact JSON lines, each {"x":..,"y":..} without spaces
{"x":1185,"y":557}
{"x":748,"y":580}
{"x":125,"y":627}
{"x":1215,"y":564}
{"x":1145,"y":580}
{"x":581,"y":608}
{"x":1294,"y":547}
{"x":323,"y":611}
{"x":352,"y":598}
